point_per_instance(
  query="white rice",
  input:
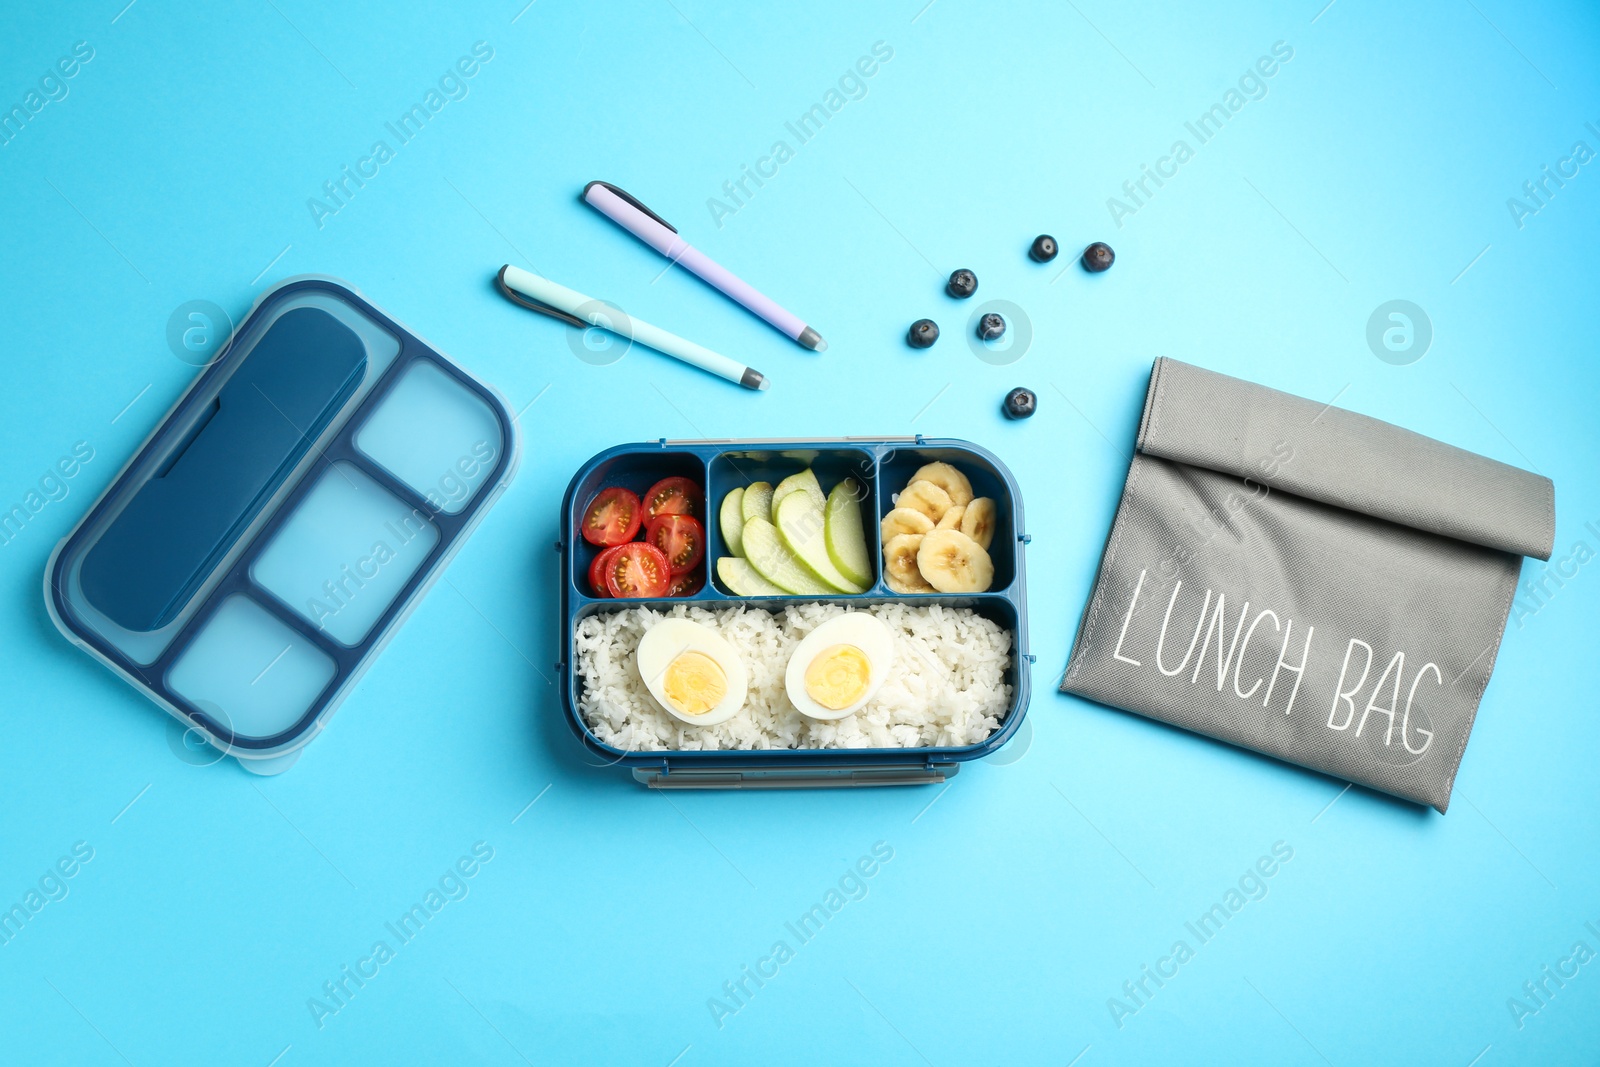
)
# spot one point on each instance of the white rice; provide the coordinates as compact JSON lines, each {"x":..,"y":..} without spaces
{"x":945,"y":689}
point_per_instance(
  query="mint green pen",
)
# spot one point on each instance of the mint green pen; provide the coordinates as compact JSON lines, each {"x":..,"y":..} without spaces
{"x":529,"y":290}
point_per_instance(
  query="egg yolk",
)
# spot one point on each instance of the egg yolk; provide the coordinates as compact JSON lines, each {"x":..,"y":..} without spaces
{"x":694,"y":683}
{"x":838,"y":676}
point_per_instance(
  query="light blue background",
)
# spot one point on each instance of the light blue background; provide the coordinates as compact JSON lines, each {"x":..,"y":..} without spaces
{"x":1377,"y":167}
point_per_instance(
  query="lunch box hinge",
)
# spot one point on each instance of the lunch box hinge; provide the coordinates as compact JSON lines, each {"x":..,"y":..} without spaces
{"x":1026,"y":539}
{"x":793,"y":778}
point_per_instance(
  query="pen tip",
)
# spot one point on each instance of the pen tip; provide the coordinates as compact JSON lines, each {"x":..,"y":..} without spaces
{"x":812,"y":340}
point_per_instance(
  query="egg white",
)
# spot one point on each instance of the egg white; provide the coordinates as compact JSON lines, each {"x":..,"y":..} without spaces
{"x":671,"y":638}
{"x":865,"y":632}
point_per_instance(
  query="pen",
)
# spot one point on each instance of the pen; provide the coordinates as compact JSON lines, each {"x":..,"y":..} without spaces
{"x":546,"y":297}
{"x":658,"y":233}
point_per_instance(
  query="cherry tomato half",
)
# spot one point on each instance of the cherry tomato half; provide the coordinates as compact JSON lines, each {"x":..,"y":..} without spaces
{"x":687,"y":584}
{"x":673,"y":496}
{"x":680,"y":538}
{"x":597,"y":570}
{"x":613,"y":517}
{"x":638,"y":570}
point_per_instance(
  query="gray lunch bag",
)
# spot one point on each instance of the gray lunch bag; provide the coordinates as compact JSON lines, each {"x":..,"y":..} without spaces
{"x":1307,"y":582}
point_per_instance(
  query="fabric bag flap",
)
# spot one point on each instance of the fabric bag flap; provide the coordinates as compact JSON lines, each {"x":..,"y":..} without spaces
{"x":1210,"y":420}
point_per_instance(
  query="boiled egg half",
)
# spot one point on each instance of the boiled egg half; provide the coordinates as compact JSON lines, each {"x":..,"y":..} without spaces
{"x":839,"y":666}
{"x":692,"y":672}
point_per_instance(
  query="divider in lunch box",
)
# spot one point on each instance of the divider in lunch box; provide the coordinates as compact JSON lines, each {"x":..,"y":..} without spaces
{"x":307,"y":556}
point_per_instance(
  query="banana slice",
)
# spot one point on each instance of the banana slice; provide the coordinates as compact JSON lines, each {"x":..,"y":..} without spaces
{"x":925,"y":497}
{"x":947,"y":478}
{"x":978,"y":521}
{"x":952,"y":519}
{"x":900,"y":565}
{"x":952,"y":562}
{"x":904,"y":521}
{"x":897,"y":586}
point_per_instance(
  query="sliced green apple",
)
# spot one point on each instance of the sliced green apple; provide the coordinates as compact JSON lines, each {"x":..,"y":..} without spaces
{"x":757,"y":502}
{"x":772,"y":560}
{"x":801,"y":524}
{"x":732,"y":519}
{"x":742,"y":579}
{"x":804,"y":482}
{"x":844,"y":536}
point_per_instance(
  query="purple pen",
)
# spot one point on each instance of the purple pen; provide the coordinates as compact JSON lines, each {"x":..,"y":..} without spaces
{"x":658,"y":233}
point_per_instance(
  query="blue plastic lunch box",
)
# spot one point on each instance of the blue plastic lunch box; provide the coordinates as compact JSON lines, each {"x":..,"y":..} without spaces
{"x":273,"y":532}
{"x":883,"y":465}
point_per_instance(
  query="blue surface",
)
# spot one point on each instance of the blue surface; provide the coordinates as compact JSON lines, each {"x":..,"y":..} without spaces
{"x":1377,"y":166}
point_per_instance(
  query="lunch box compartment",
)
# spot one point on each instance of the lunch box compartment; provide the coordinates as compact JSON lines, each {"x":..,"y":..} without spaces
{"x":987,"y":480}
{"x":249,"y":672}
{"x":436,"y":437}
{"x":882,"y":466}
{"x":742,"y":468}
{"x":353,"y":535}
{"x":635,"y":472}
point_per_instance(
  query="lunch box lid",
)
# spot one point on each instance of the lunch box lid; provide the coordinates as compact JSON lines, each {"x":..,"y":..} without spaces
{"x":283,"y":519}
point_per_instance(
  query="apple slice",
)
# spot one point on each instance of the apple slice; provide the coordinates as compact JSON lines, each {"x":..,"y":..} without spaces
{"x":773,"y":561}
{"x":743,"y":580}
{"x":844,"y":536}
{"x":757,"y":502}
{"x":801,"y":524}
{"x":804,"y":482}
{"x":732,"y":519}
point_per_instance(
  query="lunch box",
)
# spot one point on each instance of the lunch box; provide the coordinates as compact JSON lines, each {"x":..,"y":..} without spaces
{"x":282,"y":521}
{"x":883,"y":465}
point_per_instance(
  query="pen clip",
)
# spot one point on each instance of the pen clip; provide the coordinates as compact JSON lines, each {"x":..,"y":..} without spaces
{"x":534,"y":305}
{"x":631,"y":199}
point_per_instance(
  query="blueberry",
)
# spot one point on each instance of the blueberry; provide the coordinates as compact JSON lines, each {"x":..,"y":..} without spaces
{"x":1044,"y":248}
{"x":1021,"y":403}
{"x":923,"y":333}
{"x":991,"y":327}
{"x":1098,"y":257}
{"x":963,"y":283}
